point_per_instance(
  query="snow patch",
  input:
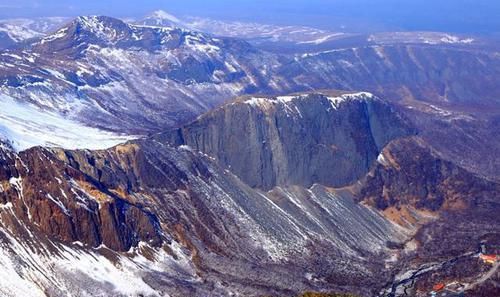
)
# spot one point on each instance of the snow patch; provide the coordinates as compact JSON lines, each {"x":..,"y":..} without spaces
{"x":161,"y":15}
{"x":290,"y":101}
{"x":381,"y":160}
{"x":322,"y":39}
{"x":336,"y":101}
{"x":58,"y":35}
{"x":26,"y":126}
{"x":59,"y":204}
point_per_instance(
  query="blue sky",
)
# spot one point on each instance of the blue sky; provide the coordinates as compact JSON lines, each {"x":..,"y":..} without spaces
{"x":444,"y":15}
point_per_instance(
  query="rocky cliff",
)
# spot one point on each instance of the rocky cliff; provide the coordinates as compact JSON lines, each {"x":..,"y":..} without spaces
{"x":295,"y":140}
{"x":67,"y":205}
{"x":143,"y":201}
{"x":409,"y":173}
{"x":189,"y":212}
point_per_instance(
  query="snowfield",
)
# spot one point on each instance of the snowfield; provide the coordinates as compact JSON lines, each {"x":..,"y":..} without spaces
{"x":25,"y":126}
{"x":27,"y":273}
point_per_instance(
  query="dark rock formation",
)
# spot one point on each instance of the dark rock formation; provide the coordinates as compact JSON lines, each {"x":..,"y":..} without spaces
{"x":409,"y":173}
{"x":68,"y":205}
{"x":150,"y":192}
{"x":298,"y":140}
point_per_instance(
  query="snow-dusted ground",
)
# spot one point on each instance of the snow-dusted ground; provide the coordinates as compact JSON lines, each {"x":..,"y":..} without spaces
{"x":246,"y":30}
{"x":70,"y":270}
{"x":134,"y":78}
{"x":419,"y":37}
{"x":25,"y":126}
{"x":289,"y":101}
{"x":23,"y":29}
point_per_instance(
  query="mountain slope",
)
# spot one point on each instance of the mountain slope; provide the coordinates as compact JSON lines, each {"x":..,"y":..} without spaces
{"x":266,"y":195}
{"x":454,"y":209}
{"x":134,"y":79}
{"x":15,"y":32}
{"x":142,"y":199}
{"x":163,"y":218}
{"x":91,"y":67}
{"x":447,"y":75}
{"x":138,"y":203}
{"x":24,"y":126}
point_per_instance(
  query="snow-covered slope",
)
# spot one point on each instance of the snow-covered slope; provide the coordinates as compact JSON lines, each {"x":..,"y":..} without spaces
{"x":149,"y":218}
{"x":433,"y":38}
{"x":25,"y":126}
{"x":107,"y":73}
{"x":255,"y":32}
{"x":72,"y":270}
{"x":161,"y":18}
{"x":23,"y":29}
{"x":138,"y":79}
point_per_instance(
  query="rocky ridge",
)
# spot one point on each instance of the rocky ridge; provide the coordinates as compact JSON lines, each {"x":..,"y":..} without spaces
{"x":145,"y":198}
{"x":168,"y":76}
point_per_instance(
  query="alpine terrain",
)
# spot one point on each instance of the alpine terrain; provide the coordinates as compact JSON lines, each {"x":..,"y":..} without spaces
{"x":190,"y":156}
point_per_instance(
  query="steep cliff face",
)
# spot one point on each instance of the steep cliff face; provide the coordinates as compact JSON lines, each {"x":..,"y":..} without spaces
{"x":177,"y":183}
{"x":295,"y":140}
{"x":150,"y":198}
{"x":67,"y":205}
{"x":190,"y":220}
{"x":452,"y":210}
{"x":414,"y":185}
{"x":409,"y":173}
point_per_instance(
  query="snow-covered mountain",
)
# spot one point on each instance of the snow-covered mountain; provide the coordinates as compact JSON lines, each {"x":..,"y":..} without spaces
{"x":107,"y":73}
{"x":13,"y":31}
{"x":301,"y":39}
{"x":111,"y":75}
{"x":242,"y":201}
{"x":255,"y":33}
{"x":153,"y":218}
{"x":128,"y":166}
{"x":161,"y":18}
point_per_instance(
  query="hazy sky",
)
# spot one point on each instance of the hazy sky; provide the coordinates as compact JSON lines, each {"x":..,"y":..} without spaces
{"x":444,"y":15}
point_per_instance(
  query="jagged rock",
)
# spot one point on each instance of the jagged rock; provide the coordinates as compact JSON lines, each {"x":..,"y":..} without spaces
{"x":146,"y":191}
{"x":68,"y":205}
{"x":409,"y":173}
{"x":197,"y":224}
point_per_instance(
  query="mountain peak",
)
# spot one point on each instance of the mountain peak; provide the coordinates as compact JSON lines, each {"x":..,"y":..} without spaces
{"x":84,"y":30}
{"x":163,"y":15}
{"x":104,"y":31}
{"x":101,"y":25}
{"x":161,"y":18}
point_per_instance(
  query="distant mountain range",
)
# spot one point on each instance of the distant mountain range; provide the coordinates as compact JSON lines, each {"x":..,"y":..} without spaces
{"x":14,"y":31}
{"x":294,"y":38}
{"x":139,"y":79}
